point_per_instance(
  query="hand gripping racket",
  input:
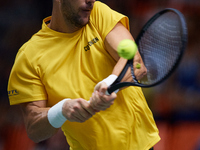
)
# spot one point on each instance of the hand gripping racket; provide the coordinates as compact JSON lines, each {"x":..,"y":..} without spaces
{"x":161,"y":44}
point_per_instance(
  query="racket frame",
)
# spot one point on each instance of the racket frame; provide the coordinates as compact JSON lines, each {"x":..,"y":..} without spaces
{"x":117,"y":84}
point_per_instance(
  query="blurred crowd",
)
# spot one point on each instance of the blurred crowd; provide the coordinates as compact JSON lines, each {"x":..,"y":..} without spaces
{"x":176,"y":100}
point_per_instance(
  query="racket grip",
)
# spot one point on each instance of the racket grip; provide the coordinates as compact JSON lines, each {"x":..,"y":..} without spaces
{"x":107,"y":93}
{"x":109,"y":81}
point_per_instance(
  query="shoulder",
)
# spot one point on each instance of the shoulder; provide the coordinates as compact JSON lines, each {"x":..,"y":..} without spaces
{"x":104,"y":18}
{"x":100,"y":5}
{"x":100,"y":8}
{"x":103,"y":14}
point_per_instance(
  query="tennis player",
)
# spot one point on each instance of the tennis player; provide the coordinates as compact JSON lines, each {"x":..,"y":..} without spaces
{"x":54,"y":76}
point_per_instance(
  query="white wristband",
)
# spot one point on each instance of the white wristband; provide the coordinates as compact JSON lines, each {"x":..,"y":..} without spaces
{"x":55,"y":116}
{"x":110,"y":79}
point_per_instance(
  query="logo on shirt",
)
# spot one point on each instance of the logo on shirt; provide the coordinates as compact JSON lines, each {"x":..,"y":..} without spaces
{"x":13,"y":92}
{"x":90,"y":43}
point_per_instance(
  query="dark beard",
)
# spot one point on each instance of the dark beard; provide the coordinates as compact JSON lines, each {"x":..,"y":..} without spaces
{"x":72,"y":17}
{"x":76,"y":21}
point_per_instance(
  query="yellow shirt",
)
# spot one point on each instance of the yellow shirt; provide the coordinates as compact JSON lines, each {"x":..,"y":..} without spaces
{"x":53,"y":66}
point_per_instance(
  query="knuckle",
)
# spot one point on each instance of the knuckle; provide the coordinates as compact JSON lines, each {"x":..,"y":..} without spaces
{"x":105,"y":108}
{"x":94,"y":107}
{"x":72,"y":112}
{"x":107,"y":99}
{"x":70,"y":117}
{"x":79,"y":100}
{"x":89,"y":116}
{"x":104,"y":86}
{"x":76,"y":107}
{"x":81,"y":121}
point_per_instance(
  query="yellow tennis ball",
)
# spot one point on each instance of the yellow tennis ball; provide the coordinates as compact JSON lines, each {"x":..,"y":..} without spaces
{"x":127,"y":49}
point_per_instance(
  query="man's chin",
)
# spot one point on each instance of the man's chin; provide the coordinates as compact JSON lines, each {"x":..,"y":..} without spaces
{"x":83,"y":22}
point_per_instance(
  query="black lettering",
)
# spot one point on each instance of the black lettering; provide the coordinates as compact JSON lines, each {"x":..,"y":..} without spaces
{"x":90,"y":43}
{"x":94,"y":41}
{"x":97,"y":39}
{"x":87,"y":48}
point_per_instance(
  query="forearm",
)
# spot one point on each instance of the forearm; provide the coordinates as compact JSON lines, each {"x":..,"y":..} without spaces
{"x":111,"y":42}
{"x":42,"y":122}
{"x":37,"y":124}
{"x":139,"y":73}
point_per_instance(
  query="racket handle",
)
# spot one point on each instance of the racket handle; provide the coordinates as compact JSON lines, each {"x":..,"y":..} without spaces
{"x":109,"y":80}
{"x":107,"y":93}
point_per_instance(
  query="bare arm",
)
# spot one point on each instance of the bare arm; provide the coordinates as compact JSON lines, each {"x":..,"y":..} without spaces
{"x":36,"y":121}
{"x":99,"y":100}
{"x":112,"y":40}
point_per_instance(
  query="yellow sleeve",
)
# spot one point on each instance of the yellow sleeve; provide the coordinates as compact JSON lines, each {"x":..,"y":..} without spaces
{"x":105,"y":19}
{"x":24,"y":83}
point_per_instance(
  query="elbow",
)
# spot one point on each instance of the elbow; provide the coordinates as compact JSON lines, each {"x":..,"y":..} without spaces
{"x":38,"y":133}
{"x":35,"y":140}
{"x":32,"y":136}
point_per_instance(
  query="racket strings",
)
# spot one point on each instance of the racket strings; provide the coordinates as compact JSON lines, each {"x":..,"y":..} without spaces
{"x":161,"y":46}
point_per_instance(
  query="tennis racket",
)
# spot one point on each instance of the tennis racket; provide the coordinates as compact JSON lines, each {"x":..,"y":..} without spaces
{"x":161,"y":44}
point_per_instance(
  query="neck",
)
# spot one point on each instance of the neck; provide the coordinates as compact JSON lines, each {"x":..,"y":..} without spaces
{"x":58,"y":23}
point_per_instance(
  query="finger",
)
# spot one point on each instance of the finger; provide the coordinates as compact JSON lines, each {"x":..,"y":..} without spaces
{"x":100,"y":99}
{"x":103,"y":100}
{"x":104,"y":107}
{"x":103,"y":88}
{"x":107,"y":99}
{"x":99,"y":107}
{"x":74,"y":118}
{"x":99,"y":102}
{"x":79,"y":115}
{"x":102,"y":104}
{"x":84,"y":112}
{"x":78,"y":110}
{"x":87,"y":107}
{"x":113,"y":95}
{"x":96,"y":88}
{"x":93,"y":101}
{"x":96,"y":103}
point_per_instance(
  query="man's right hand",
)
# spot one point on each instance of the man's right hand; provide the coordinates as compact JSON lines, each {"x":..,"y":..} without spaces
{"x":99,"y":100}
